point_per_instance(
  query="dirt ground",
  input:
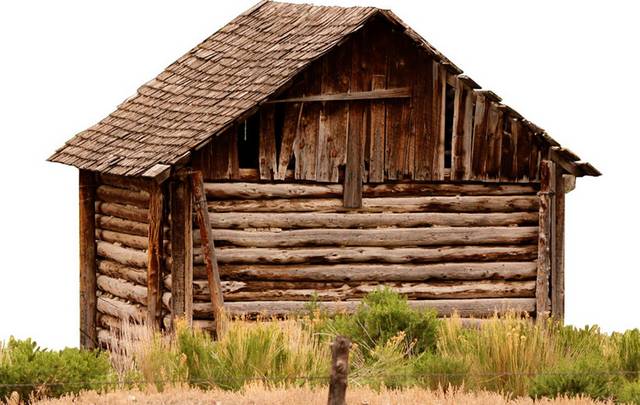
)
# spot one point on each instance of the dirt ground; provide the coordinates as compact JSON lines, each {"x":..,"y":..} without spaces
{"x":257,"y":395}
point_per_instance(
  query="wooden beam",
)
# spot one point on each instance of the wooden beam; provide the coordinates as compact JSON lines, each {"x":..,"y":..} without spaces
{"x":547,"y":178}
{"x":88,"y":332}
{"x":557,"y":276}
{"x":352,"y":196}
{"x":154,"y":256}
{"x":381,"y":94}
{"x":208,"y":250}
{"x":181,"y":251}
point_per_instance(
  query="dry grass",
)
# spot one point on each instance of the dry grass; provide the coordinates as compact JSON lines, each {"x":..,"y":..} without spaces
{"x":259,"y":395}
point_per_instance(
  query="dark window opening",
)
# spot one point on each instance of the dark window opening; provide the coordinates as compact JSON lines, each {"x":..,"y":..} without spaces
{"x":506,"y":124}
{"x":448,"y":125}
{"x":249,"y":143}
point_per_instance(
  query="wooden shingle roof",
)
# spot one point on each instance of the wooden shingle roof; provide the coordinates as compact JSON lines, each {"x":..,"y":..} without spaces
{"x":224,"y":78}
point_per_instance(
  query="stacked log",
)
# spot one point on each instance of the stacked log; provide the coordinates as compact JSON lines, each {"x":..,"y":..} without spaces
{"x":470,"y":248}
{"x":121,"y":228}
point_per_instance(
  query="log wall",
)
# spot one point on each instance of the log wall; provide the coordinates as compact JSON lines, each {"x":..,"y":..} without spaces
{"x":122,"y":259}
{"x":466,"y":247}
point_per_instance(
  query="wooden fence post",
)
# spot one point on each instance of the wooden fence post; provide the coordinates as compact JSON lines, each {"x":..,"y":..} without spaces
{"x":339,"y":370}
{"x":88,"y":332}
{"x":208,"y":251}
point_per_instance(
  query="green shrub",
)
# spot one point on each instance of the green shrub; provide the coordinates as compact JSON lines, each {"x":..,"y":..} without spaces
{"x":629,"y":392}
{"x":382,"y":315}
{"x":197,"y":348}
{"x":434,"y":371}
{"x":589,"y":375}
{"x":578,"y":342}
{"x":628,"y":351}
{"x":51,"y":373}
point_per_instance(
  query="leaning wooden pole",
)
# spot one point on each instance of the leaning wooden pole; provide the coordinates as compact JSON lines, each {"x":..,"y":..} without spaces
{"x":208,"y":251}
{"x":339,"y":370}
{"x":547,"y":180}
{"x":557,"y":276}
{"x":88,"y":299}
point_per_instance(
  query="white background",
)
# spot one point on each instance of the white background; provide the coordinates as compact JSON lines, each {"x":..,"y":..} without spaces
{"x":571,"y":67}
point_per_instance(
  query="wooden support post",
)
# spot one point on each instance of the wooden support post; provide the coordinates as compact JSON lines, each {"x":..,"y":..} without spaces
{"x":154,"y":256}
{"x":353,"y":173}
{"x":339,"y":370}
{"x":87,"y":187}
{"x":547,"y":182}
{"x":557,"y":276}
{"x":208,"y":251}
{"x":181,"y":251}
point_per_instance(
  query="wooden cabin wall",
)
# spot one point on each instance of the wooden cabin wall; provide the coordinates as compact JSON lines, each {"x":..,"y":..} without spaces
{"x":401,"y":139}
{"x":465,"y":247}
{"x":122,"y":232}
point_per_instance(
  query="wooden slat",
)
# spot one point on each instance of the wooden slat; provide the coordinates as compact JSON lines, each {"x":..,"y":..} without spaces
{"x":392,"y":237}
{"x":523,"y":150}
{"x":493,"y":145}
{"x":440,"y":102}
{"x":480,"y":123}
{"x":378,"y":134}
{"x":86,"y":199}
{"x":334,"y":117}
{"x":359,"y":254}
{"x":290,"y":127}
{"x":462,"y":133}
{"x":507,"y":153}
{"x":388,"y":204}
{"x":154,"y":257}
{"x":235,"y":220}
{"x":544,"y":239}
{"x":400,"y":92}
{"x":267,"y":144}
{"x":305,"y":143}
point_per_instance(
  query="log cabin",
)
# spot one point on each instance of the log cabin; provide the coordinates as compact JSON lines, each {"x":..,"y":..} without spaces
{"x":304,"y":152}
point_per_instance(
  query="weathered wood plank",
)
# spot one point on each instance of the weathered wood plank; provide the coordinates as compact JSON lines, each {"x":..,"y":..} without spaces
{"x":388,"y":204}
{"x":439,"y":109}
{"x":233,"y":220}
{"x":267,"y":143}
{"x":334,"y":117}
{"x":379,"y":237}
{"x":480,"y":124}
{"x":305,"y":143}
{"x":356,"y":254}
{"x":462,"y":133}
{"x":290,"y":129}
{"x":379,"y":272}
{"x":120,"y":309}
{"x":493,"y":144}
{"x":543,"y":303}
{"x":377,"y":125}
{"x":383,"y":94}
{"x":154,"y":257}
{"x":86,"y":206}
